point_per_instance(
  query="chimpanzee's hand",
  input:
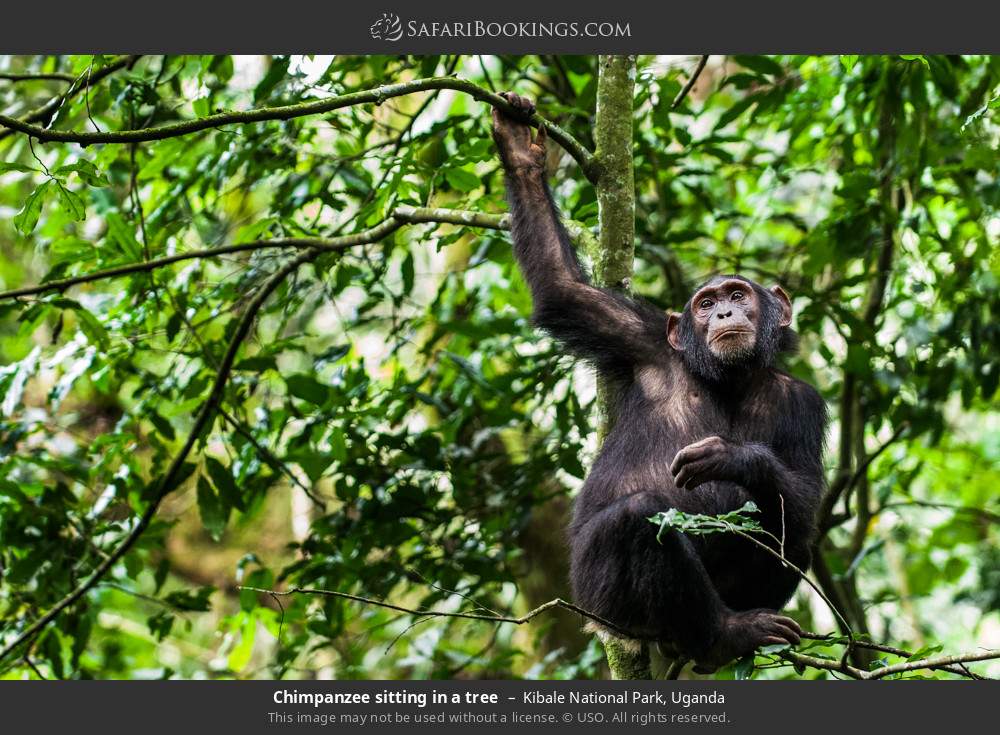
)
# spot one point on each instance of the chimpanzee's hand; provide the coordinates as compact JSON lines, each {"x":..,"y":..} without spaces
{"x":712,"y":458}
{"x":520,"y":154}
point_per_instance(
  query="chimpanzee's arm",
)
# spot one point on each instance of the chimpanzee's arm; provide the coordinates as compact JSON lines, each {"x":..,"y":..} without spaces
{"x":785,"y":479}
{"x":595,"y":323}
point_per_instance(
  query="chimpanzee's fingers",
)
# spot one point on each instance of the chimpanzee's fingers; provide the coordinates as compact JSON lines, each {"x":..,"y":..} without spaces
{"x":706,"y":441}
{"x":699,"y":476}
{"x":691,"y":475}
{"x":695,"y":482}
{"x":772,"y":640}
{"x":682,"y":458}
{"x":525,"y":105}
{"x":789,"y":623}
{"x":787,"y":633}
{"x":690,"y":453}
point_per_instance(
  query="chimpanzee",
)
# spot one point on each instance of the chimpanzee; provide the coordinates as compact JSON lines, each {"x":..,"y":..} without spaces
{"x":705,"y":421}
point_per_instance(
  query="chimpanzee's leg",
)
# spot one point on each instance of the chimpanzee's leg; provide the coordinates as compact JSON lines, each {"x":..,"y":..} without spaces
{"x":658,"y":590}
{"x":661,"y":590}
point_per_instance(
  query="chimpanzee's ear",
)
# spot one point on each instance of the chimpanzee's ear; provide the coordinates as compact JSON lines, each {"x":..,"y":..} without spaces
{"x":674,"y":331}
{"x":784,"y":303}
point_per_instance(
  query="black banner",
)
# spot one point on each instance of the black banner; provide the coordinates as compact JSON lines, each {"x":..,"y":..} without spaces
{"x":498,"y":706}
{"x":512,"y":26}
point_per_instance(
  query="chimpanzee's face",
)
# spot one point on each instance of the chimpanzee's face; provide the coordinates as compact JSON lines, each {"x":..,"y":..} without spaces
{"x":726,"y":315}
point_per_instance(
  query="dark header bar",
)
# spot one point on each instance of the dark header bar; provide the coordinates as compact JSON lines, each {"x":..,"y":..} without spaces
{"x":509,"y":26}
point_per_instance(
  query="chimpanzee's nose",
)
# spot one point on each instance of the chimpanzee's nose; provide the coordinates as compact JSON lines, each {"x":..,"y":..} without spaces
{"x":725,"y":314}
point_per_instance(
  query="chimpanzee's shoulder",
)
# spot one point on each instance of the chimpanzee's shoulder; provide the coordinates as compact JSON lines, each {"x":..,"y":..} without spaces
{"x":800,"y":393}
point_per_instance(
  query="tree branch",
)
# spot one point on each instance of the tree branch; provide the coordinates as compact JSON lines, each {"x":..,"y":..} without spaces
{"x":840,"y":666}
{"x":527,"y":617}
{"x":314,"y":248}
{"x":402,"y":215}
{"x":939,"y":662}
{"x":38,"y":77}
{"x":169,"y":480}
{"x":935,"y":662}
{"x":45,"y":112}
{"x":377,"y":96}
{"x":982,"y":513}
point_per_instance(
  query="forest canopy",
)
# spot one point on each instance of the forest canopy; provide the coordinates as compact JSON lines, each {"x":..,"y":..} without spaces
{"x":271,"y":400}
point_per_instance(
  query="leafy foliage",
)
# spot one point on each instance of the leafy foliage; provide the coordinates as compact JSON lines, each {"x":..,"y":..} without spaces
{"x":393,"y":426}
{"x":699,"y":524}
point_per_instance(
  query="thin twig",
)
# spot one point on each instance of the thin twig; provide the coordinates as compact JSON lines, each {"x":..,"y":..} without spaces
{"x":31,"y":665}
{"x":690,"y":83}
{"x":270,"y":458}
{"x":675,"y":668}
{"x":527,"y":617}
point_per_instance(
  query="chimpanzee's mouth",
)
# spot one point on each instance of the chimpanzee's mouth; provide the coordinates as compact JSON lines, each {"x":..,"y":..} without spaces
{"x":729,"y":332}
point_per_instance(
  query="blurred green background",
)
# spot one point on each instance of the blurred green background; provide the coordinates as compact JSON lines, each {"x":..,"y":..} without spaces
{"x":394,"y":427}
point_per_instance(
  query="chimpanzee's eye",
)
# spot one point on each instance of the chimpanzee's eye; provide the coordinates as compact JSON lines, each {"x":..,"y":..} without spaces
{"x":705,"y":303}
{"x":737,"y":295}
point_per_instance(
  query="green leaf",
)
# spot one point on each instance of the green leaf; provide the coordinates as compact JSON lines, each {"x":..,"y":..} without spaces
{"x":240,"y":655}
{"x":257,"y":364}
{"x":461,"y":179}
{"x":6,"y":167}
{"x":162,"y":425}
{"x":277,"y":72}
{"x":224,"y":483}
{"x":71,"y":203}
{"x":760,"y":64}
{"x":775,"y":648}
{"x":848,"y":61}
{"x":407,"y":273}
{"x":307,"y":388}
{"x":744,"y":668}
{"x":93,"y":329}
{"x":185,"y":471}
{"x":26,"y":219}
{"x":160,"y":624}
{"x":213,"y":515}
{"x":916,"y":57}
{"x":88,"y":173}
{"x":735,"y":111}
{"x":699,"y":524}
{"x":191,"y":600}
{"x":123,"y":235}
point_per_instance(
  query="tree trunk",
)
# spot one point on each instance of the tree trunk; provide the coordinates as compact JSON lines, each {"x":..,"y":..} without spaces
{"x":613,"y":260}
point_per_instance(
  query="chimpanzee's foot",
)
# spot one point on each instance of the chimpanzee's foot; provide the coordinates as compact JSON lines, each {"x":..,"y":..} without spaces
{"x":744,"y":632}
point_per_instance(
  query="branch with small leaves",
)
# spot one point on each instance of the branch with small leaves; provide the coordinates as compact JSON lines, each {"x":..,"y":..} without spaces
{"x":311,"y":249}
{"x":81,"y":83}
{"x":376,"y":96}
{"x":400,"y":216}
{"x":741,"y":523}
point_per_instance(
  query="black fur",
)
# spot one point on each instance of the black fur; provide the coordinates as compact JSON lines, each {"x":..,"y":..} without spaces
{"x":688,"y":590}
